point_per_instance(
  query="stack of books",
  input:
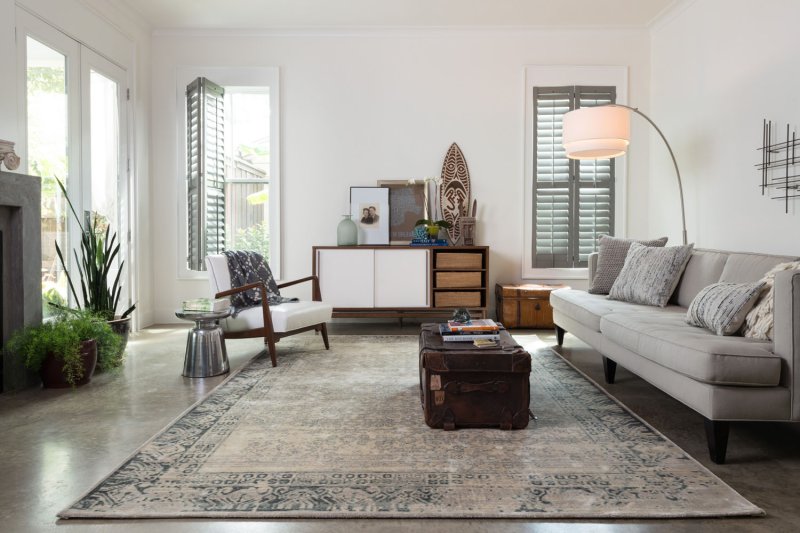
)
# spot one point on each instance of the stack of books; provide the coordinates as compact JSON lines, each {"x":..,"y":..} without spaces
{"x":428,"y":242}
{"x":480,"y":332}
{"x":206,"y":305}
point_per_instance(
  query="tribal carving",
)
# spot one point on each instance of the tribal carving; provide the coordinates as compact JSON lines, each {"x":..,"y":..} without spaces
{"x":454,"y":191}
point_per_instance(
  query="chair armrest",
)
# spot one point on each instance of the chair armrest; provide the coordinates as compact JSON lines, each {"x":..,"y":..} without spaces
{"x":296,"y":281}
{"x":314,"y":286}
{"x":243,"y":288}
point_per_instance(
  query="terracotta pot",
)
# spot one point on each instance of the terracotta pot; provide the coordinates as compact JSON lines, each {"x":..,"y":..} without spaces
{"x":122,"y":327}
{"x":52,"y":372}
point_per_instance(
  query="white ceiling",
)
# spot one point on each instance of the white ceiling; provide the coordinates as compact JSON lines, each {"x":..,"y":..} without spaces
{"x":268,"y":14}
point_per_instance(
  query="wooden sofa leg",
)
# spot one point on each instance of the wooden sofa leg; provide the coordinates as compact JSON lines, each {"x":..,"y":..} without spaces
{"x":560,"y":335}
{"x":609,"y":369}
{"x":717,"y":436}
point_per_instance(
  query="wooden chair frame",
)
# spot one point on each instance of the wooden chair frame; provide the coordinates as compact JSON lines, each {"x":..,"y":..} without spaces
{"x":272,"y":337}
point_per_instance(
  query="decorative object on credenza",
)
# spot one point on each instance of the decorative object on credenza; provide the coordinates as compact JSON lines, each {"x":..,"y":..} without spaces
{"x":780,"y":156}
{"x":347,"y":232}
{"x":408,"y":201}
{"x":455,"y":191}
{"x":433,"y":227}
{"x":8,"y":156}
{"x":369,"y":207}
{"x":603,"y":132}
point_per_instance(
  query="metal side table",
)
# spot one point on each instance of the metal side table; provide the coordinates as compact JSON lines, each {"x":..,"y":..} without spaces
{"x":205,"y":345}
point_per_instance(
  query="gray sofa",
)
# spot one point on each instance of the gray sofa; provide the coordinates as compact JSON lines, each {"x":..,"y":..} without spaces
{"x":723,"y":378}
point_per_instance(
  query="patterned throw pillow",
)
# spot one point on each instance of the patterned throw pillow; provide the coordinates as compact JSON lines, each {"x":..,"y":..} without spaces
{"x":760,"y":319}
{"x":650,"y":274}
{"x":611,"y":258}
{"x":722,"y":307}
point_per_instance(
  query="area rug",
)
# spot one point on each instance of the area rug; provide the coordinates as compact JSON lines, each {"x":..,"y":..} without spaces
{"x":340,"y":434}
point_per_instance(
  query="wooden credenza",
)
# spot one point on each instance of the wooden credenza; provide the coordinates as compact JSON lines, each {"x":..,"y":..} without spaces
{"x":402,"y":281}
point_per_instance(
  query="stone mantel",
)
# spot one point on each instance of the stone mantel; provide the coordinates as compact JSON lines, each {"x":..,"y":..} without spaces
{"x":20,"y":223}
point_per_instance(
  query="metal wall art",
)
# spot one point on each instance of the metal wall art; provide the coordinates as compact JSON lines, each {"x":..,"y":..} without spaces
{"x":779,"y":174}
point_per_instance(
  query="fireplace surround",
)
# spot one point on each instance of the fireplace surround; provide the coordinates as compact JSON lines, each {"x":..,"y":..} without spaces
{"x":21,"y":281}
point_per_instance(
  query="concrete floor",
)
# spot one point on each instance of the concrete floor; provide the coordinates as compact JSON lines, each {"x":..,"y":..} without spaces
{"x":55,"y":445}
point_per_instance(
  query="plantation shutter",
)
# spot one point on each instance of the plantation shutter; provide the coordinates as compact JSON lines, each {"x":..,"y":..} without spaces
{"x":573,"y":200}
{"x":205,"y":179}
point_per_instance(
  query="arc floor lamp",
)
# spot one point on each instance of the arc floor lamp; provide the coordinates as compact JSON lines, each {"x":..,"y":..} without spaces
{"x":603,"y":132}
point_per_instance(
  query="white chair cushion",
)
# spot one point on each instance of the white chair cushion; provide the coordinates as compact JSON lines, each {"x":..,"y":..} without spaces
{"x":285,"y":317}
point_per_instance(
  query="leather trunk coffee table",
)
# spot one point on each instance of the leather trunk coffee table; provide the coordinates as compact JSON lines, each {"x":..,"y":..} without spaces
{"x":462,"y":385}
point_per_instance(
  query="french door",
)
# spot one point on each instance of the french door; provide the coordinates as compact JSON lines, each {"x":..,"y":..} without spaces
{"x":74,"y":104}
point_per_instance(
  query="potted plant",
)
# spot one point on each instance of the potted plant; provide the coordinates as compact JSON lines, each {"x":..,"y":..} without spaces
{"x":95,"y":265}
{"x":432,"y":227}
{"x":66,"y":349}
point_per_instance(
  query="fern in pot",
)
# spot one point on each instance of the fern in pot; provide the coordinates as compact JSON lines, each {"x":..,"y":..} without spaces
{"x":66,"y":350}
{"x":99,"y":295}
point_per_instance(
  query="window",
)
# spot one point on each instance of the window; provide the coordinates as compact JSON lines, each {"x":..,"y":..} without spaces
{"x":573,"y":200}
{"x":232,"y":181}
{"x":75,"y":129}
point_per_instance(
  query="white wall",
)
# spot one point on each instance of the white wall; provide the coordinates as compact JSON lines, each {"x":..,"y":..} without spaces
{"x":121,"y":36}
{"x":368,"y":105}
{"x":718,"y":68}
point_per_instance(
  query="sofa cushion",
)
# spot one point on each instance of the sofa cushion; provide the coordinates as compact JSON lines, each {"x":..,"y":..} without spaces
{"x":666,"y":339}
{"x":722,"y":307}
{"x":611,"y":258}
{"x":650,"y":274}
{"x":703,"y":269}
{"x":743,"y":268}
{"x":285,"y":317}
{"x":589,"y":308}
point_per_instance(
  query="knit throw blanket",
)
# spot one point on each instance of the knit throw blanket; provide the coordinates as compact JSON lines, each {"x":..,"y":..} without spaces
{"x":250,"y":267}
{"x":760,"y":320}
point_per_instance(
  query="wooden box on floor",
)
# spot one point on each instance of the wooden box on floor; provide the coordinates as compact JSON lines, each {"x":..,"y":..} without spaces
{"x":525,"y":306}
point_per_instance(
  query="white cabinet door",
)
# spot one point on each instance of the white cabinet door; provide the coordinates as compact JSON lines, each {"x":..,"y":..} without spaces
{"x":346,"y":277}
{"x":401,"y":278}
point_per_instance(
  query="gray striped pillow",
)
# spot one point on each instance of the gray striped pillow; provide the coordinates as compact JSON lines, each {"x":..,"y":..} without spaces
{"x":650,"y":274}
{"x":722,"y":307}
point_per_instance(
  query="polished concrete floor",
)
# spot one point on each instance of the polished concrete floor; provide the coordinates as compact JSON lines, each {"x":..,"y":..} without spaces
{"x":55,"y":445}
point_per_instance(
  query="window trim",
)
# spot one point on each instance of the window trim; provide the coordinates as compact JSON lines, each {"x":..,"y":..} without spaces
{"x":230,"y":77}
{"x":551,"y":76}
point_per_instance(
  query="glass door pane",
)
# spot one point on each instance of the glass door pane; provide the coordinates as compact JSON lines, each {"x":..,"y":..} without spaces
{"x":104,"y":113}
{"x":104,"y":167}
{"x":48,"y":156}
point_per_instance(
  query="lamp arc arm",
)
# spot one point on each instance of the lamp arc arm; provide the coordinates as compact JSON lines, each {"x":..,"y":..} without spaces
{"x":674,"y":161}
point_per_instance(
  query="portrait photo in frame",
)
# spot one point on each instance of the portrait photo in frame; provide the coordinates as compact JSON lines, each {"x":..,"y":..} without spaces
{"x":369,"y":207}
{"x":408,"y":202}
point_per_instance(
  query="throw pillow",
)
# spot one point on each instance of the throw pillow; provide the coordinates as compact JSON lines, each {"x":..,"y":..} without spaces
{"x":759,"y":321}
{"x":722,"y":307}
{"x":611,"y":258}
{"x":650,"y":274}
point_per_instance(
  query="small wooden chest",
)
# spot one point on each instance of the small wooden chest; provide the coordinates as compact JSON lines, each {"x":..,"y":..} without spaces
{"x":525,"y":306}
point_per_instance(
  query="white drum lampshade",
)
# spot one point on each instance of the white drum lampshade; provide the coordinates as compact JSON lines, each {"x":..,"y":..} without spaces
{"x":596,"y":132}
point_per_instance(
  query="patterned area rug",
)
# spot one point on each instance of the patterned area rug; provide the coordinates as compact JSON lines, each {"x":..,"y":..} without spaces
{"x":341,"y":434}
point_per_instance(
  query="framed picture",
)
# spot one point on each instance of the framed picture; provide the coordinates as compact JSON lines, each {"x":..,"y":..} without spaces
{"x":408,"y":202}
{"x":369,"y":207}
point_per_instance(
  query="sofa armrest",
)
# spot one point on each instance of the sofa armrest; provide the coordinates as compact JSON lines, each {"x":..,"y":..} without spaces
{"x":786,"y":332}
{"x":592,"y":265}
